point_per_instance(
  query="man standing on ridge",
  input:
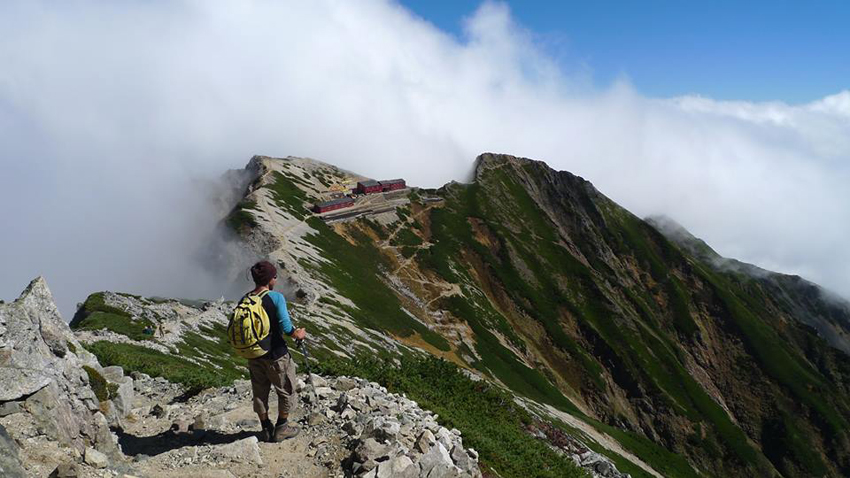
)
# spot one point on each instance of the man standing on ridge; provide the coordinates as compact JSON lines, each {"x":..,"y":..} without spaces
{"x":275,"y":369}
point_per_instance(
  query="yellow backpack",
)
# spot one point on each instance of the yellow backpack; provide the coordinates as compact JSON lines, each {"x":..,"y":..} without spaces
{"x":248,"y":330}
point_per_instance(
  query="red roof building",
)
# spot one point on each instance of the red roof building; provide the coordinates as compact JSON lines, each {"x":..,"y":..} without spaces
{"x":368,"y":187}
{"x":333,"y":205}
{"x":392,"y":184}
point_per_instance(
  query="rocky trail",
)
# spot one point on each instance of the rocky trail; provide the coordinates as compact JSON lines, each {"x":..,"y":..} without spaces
{"x":215,"y":434}
{"x":348,"y":427}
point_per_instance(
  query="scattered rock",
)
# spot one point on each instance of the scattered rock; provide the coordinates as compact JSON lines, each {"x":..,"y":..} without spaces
{"x":344,"y":384}
{"x":65,"y":470}
{"x":216,"y":422}
{"x":445,"y":471}
{"x":248,"y":424}
{"x":604,"y":468}
{"x":96,"y":458}
{"x":316,"y":418}
{"x":435,"y":457}
{"x":324,"y":392}
{"x":242,"y":387}
{"x":597,"y":465}
{"x":399,"y":467}
{"x":124,"y":396}
{"x":317,"y":381}
{"x":112,"y":373}
{"x":351,"y":428}
{"x":425,"y":441}
{"x":243,"y":451}
{"x":370,"y":449}
{"x":461,"y":459}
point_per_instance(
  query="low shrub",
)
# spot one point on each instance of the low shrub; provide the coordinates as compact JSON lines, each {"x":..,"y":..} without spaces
{"x":136,"y":358}
{"x":491,"y":422}
{"x":102,"y":389}
{"x":96,"y":314}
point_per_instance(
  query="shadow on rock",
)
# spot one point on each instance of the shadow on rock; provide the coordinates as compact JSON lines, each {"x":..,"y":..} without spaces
{"x":153,"y":445}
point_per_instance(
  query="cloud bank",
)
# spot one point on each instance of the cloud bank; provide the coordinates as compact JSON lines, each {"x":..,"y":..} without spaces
{"x":115,"y":116}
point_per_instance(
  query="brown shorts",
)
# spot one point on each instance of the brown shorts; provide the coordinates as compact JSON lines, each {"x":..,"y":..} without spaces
{"x":268,"y":373}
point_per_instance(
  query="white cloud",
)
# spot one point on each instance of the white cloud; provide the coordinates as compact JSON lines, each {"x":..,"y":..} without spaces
{"x":111,"y":111}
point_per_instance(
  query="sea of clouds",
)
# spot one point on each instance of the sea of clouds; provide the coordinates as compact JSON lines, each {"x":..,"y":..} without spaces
{"x":116,"y":118}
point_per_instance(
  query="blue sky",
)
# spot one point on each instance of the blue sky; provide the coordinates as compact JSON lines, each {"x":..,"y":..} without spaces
{"x":757,"y":50}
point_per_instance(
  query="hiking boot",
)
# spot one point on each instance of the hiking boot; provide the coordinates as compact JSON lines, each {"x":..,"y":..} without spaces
{"x":285,"y":431}
{"x":267,"y":433}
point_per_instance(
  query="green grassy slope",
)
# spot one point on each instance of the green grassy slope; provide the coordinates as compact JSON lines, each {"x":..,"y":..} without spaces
{"x":633,"y":310}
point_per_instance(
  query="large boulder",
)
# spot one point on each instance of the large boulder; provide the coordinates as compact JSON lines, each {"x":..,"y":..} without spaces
{"x":125,"y":392}
{"x":437,"y":457}
{"x":246,"y":450}
{"x":44,"y":388}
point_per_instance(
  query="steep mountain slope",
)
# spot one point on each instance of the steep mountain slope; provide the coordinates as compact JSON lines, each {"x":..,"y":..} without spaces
{"x":332,"y":276}
{"x":538,"y":281}
{"x":639,"y":333}
{"x":628,"y":333}
{"x":826,"y":312}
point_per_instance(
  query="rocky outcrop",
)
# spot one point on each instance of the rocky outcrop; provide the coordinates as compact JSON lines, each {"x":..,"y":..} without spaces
{"x":595,"y":464}
{"x":46,"y":400}
{"x":391,"y":435}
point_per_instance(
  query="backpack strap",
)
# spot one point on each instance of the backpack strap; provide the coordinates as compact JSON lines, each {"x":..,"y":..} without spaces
{"x":260,"y":295}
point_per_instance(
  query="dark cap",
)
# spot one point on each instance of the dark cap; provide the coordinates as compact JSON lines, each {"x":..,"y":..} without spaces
{"x":263,"y":272}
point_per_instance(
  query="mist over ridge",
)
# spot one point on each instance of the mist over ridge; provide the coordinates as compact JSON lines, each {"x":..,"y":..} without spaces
{"x":116,"y":119}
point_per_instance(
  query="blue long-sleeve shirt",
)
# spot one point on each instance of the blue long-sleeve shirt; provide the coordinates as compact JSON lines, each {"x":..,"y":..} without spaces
{"x":282,"y":312}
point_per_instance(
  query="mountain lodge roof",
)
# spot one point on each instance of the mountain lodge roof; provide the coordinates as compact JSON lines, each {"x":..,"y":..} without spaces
{"x":334,"y":202}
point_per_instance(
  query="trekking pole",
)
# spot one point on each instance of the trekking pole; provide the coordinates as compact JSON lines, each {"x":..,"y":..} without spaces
{"x":302,"y":346}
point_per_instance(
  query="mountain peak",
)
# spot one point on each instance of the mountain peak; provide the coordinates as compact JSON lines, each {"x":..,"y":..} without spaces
{"x":488,"y":161}
{"x":680,"y":236}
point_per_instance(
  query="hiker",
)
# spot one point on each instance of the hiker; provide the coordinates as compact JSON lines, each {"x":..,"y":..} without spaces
{"x":260,"y":340}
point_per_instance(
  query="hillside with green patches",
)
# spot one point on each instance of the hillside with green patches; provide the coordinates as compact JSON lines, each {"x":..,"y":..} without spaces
{"x":533,"y":279}
{"x":182,"y":341}
{"x":630,"y":333}
{"x":647,"y":338}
